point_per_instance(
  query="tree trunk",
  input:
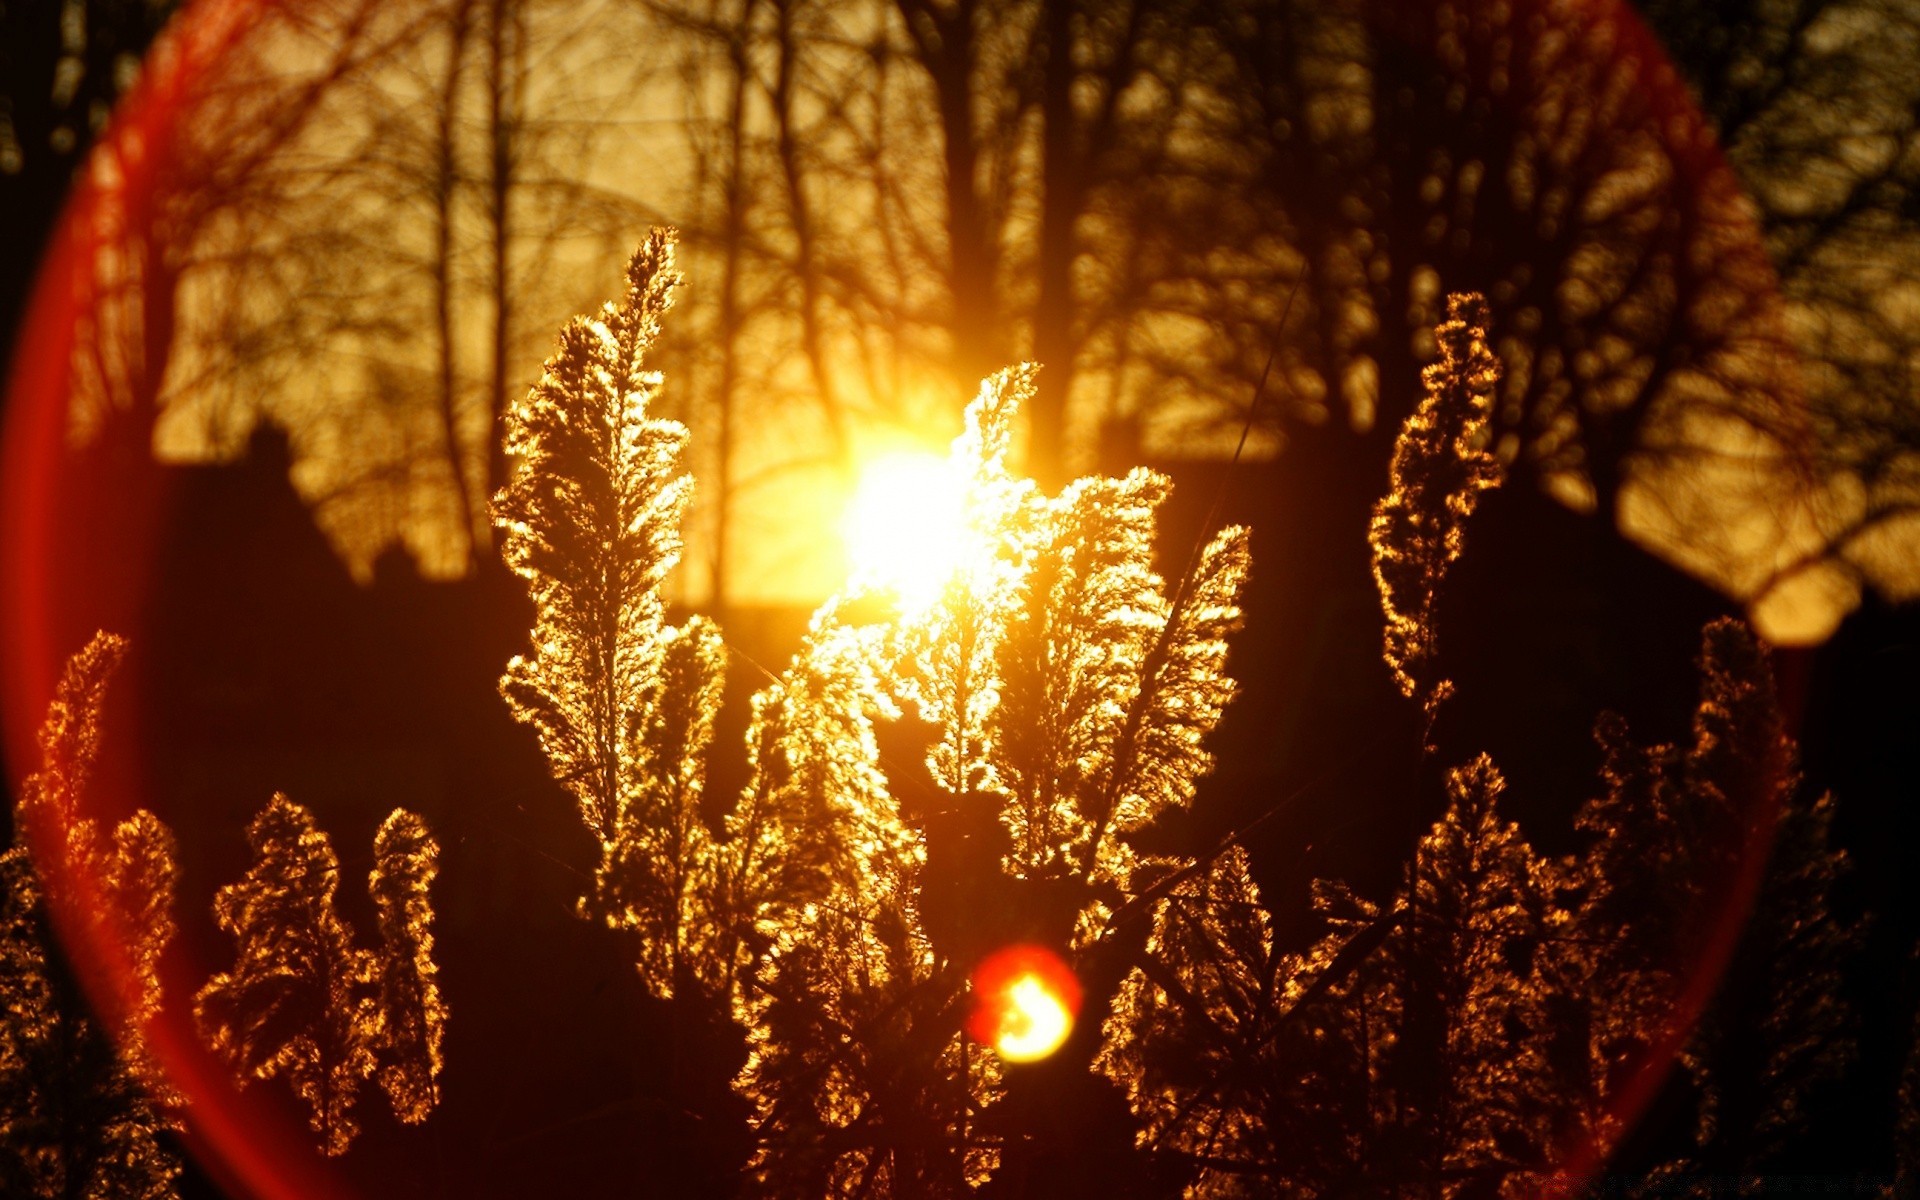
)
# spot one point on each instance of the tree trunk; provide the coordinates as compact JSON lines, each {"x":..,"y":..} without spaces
{"x":444,"y":184}
{"x":505,"y":69}
{"x":1062,"y":186}
{"x":733,"y":235}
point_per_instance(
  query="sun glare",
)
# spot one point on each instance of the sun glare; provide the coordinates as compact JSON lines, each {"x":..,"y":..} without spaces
{"x":1035,"y":1023}
{"x":905,"y":526}
{"x":1025,"y":999}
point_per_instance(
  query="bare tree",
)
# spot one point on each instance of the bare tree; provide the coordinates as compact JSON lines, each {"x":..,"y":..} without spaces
{"x":1132,"y":193}
{"x":1820,"y":116}
{"x":201,"y":158}
{"x":1152,"y":198}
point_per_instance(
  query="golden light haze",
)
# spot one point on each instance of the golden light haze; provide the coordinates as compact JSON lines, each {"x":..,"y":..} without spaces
{"x":905,"y":524}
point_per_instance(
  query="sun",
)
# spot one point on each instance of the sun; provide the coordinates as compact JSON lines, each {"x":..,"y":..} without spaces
{"x":905,"y":528}
{"x":1025,"y":1000}
{"x":1035,"y":1022}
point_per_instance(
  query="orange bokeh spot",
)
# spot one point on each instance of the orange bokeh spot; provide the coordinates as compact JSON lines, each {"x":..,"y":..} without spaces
{"x":1024,"y":1002}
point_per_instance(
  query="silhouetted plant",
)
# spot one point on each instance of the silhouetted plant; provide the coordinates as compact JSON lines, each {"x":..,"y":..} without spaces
{"x":1066,"y":692}
{"x":623,"y":701}
{"x":303,"y":1000}
{"x":1485,"y":1026}
{"x":83,"y":1106}
{"x":405,"y":861}
{"x":1467,"y":1073}
{"x":1197,"y":1035}
{"x":814,"y":766}
{"x":1407,"y":1046}
{"x":1441,"y":464}
{"x":1678,"y":828}
{"x":1471,"y":1034}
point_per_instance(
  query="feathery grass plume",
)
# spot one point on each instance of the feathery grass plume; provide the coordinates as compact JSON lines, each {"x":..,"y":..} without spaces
{"x":75,"y":1119}
{"x":83,"y":1104}
{"x":815,"y":820}
{"x":303,"y":1000}
{"x":1476,"y":1033}
{"x":947,"y":663}
{"x":1067,"y":691}
{"x":118,"y":886}
{"x":1066,"y":694}
{"x":1070,"y":692}
{"x":1471,"y":1093}
{"x":1082,"y":621}
{"x":656,"y":876}
{"x":856,"y":1066}
{"x":1195,"y":1035}
{"x":298,"y":1001}
{"x":405,"y":861}
{"x":69,"y":738}
{"x":622,"y":700}
{"x":1675,"y":828}
{"x":1440,"y":467}
{"x":140,"y":875}
{"x":863,"y":1083}
{"x":1407,"y":1045}
{"x":1182,"y":690}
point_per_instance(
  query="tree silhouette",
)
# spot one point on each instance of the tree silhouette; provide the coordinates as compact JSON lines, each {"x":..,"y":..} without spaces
{"x":1131,"y":193}
{"x":176,"y":240}
{"x":469,"y":139}
{"x":1792,"y":90}
{"x":897,"y":196}
{"x":83,"y":1107}
{"x":303,"y":1000}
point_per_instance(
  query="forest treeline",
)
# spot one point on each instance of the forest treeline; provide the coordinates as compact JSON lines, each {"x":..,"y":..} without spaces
{"x":359,"y":221}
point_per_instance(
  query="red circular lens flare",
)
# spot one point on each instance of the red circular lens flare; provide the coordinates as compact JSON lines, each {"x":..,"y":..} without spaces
{"x":1024,"y":1002}
{"x":249,"y":1142}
